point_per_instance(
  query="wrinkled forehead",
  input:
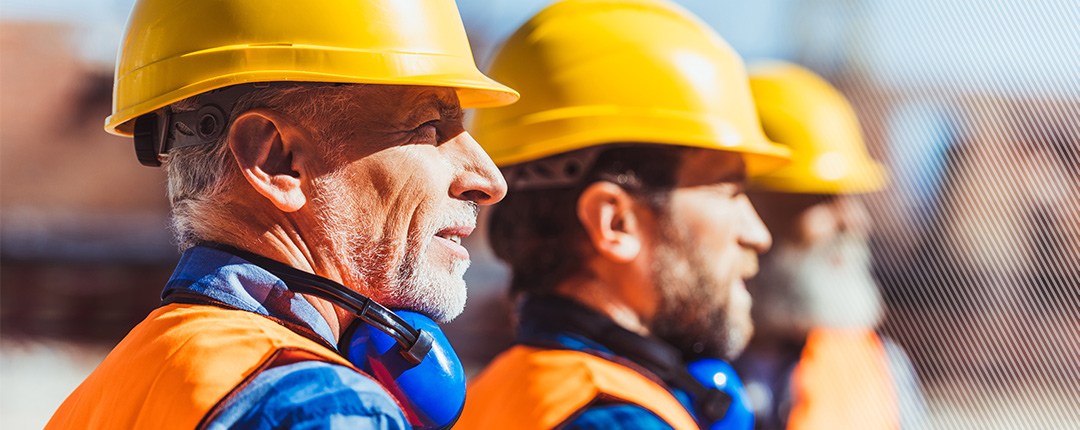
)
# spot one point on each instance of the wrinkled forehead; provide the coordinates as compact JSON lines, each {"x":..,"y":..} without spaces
{"x":394,"y":104}
{"x":710,"y":166}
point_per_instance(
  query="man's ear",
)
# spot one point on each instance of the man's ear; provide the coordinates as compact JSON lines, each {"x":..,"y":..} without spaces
{"x":269,"y":151}
{"x":607,"y":212}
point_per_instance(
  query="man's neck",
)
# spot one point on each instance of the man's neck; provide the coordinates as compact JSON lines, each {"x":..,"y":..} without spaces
{"x":286,"y":245}
{"x":602,"y":298}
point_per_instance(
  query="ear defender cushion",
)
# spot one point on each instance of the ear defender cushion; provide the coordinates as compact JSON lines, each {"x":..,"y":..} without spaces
{"x":719,"y":375}
{"x":433,"y":391}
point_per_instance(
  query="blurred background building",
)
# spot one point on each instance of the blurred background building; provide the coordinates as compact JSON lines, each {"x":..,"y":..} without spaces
{"x":974,"y":105}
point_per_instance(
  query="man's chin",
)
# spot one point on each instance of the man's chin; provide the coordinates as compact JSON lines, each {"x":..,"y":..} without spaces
{"x":442,"y":301}
{"x":448,"y":310}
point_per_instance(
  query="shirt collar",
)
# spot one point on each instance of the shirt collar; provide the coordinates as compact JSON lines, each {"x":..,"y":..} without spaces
{"x":238,"y":283}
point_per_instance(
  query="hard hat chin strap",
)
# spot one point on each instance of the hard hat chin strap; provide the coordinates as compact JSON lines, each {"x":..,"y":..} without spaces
{"x":162,"y":130}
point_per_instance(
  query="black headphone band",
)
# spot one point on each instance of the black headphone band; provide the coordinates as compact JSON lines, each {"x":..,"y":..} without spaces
{"x":415,"y":343}
{"x":155,"y":133}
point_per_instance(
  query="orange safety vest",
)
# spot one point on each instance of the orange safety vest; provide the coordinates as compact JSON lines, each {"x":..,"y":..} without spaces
{"x":842,"y":382}
{"x":174,"y":369}
{"x":530,"y":388}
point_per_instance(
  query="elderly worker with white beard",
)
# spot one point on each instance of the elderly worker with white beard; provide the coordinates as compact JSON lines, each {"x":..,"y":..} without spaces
{"x":815,"y":361}
{"x":320,"y":176}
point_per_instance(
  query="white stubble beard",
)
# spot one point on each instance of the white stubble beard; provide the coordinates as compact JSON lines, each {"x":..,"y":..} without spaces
{"x":414,"y":283}
{"x":434,"y":291}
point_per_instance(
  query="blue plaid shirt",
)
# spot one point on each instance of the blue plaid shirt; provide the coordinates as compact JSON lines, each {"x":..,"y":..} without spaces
{"x":305,"y":395}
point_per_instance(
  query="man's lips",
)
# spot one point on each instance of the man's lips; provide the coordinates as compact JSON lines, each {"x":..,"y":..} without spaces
{"x":451,"y":238}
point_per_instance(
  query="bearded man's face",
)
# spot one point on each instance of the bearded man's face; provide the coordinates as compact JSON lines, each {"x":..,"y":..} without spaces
{"x":402,"y":194}
{"x":818,"y":274}
{"x":707,"y":244}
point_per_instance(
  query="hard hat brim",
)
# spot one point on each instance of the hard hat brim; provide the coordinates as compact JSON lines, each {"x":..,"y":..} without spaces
{"x":798,"y":178}
{"x":267,"y":64}
{"x":563,"y":130}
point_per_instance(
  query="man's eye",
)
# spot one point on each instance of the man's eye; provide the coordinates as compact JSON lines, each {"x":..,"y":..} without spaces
{"x":428,"y":130}
{"x":428,"y":125}
{"x":728,"y":189}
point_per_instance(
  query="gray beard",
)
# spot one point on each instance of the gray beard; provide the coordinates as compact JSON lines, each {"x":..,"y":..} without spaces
{"x":828,"y":286}
{"x":409,"y":283}
{"x":420,"y":288}
{"x":413,"y":284}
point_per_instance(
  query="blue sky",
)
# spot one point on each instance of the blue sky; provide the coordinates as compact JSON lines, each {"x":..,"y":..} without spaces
{"x":99,"y":23}
{"x":980,"y":45}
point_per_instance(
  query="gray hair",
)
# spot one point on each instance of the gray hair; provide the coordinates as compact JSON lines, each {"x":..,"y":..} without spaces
{"x":199,"y":176}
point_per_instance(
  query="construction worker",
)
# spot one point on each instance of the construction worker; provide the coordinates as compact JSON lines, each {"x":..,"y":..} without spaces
{"x":815,"y":361}
{"x":320,"y":176}
{"x":626,"y":227}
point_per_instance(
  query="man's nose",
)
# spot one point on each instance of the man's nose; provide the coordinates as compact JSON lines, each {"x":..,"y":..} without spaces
{"x":753,"y":234}
{"x":477,"y":178}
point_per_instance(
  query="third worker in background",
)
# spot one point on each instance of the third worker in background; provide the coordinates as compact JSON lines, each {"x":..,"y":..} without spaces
{"x":816,"y":361}
{"x":626,"y":225}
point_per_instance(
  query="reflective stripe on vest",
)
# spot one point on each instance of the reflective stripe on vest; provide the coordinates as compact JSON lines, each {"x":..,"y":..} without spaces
{"x":842,"y":382}
{"x":172,"y":369}
{"x":540,"y":389}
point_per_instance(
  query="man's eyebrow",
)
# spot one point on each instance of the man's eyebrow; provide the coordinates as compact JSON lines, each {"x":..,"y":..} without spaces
{"x":445,"y":108}
{"x":449,"y":110}
{"x":737,"y":174}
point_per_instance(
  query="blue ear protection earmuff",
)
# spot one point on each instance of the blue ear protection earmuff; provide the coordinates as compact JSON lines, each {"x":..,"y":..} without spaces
{"x":434,"y":388}
{"x":405,"y":351}
{"x":716,"y":392}
{"x":717,"y":374}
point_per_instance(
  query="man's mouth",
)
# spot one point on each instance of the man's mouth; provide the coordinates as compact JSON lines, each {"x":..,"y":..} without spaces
{"x":455,"y":234}
{"x":451,"y":237}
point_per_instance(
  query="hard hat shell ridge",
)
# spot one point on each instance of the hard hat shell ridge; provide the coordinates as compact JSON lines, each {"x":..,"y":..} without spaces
{"x":801,"y":110}
{"x":594,"y":72}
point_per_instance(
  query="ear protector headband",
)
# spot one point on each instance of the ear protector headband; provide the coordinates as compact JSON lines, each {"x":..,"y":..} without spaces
{"x":719,"y":399}
{"x":405,"y":351}
{"x":157,"y":132}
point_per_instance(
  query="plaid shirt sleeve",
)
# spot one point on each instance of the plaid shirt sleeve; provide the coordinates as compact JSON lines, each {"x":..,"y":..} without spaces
{"x":311,"y":395}
{"x":619,"y":416}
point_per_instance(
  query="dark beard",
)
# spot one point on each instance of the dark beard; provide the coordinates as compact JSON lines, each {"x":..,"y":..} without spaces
{"x":690,"y":315}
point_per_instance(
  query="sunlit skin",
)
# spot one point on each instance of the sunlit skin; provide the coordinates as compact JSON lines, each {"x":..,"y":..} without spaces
{"x":401,"y":189}
{"x":724,"y":234}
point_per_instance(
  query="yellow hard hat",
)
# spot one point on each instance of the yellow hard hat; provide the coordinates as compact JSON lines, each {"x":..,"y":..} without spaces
{"x":176,"y":49}
{"x":801,"y":110}
{"x":594,"y":72}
